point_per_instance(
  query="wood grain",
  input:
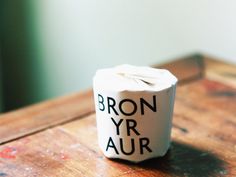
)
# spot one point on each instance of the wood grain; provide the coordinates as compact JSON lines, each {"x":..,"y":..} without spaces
{"x":203,"y":134}
{"x":47,"y":114}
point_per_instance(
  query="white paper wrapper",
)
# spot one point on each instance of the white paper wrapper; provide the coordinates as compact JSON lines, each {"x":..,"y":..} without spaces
{"x":134,"y":108}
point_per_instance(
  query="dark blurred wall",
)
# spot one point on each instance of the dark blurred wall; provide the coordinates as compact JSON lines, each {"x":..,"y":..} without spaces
{"x":1,"y":94}
{"x":19,"y":54}
{"x":1,"y":18}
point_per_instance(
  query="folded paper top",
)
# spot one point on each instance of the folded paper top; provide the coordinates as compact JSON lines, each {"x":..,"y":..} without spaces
{"x":133,"y":78}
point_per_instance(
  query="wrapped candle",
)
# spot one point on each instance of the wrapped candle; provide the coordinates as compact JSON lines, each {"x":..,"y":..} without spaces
{"x":134,"y":108}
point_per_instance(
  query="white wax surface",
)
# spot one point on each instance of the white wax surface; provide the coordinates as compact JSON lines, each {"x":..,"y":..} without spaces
{"x":134,"y":78}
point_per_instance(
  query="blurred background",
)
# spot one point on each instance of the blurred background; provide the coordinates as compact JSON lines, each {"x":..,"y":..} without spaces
{"x":50,"y":48}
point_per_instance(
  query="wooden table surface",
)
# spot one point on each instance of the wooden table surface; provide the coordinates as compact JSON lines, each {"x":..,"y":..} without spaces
{"x":58,"y":137}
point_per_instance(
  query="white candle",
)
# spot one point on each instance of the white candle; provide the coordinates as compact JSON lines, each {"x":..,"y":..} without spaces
{"x":134,"y":108}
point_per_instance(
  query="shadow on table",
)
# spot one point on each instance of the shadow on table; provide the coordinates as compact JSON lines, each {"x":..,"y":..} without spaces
{"x":185,"y":160}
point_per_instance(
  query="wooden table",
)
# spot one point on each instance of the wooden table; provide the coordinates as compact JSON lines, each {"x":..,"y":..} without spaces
{"x":58,"y":137}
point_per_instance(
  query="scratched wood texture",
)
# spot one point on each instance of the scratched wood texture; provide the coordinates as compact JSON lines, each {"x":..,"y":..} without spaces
{"x":58,"y":138}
